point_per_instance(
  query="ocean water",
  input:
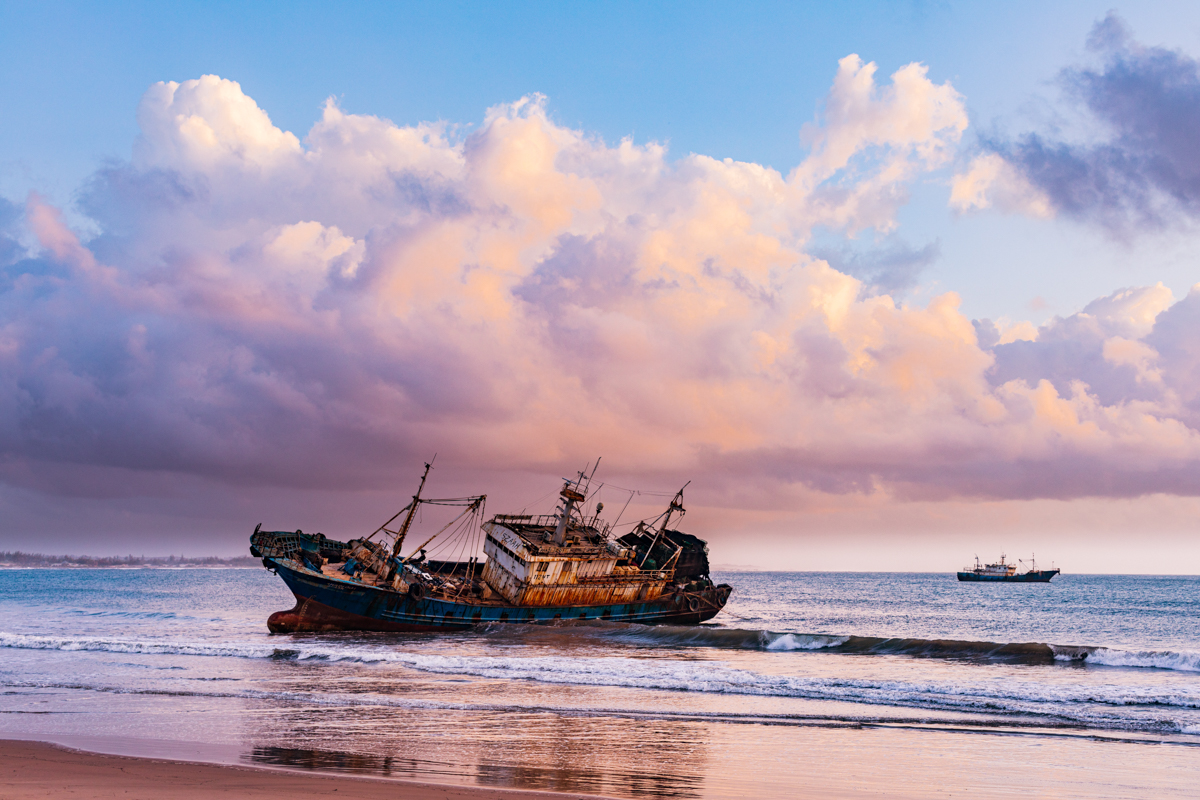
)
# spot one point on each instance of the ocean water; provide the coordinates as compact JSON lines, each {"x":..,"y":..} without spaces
{"x":858,"y":680}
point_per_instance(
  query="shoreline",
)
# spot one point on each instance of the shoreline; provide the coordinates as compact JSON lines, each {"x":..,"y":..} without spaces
{"x":37,"y":770}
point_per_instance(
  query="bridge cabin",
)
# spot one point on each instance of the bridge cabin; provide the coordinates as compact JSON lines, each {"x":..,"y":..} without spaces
{"x":557,"y":560}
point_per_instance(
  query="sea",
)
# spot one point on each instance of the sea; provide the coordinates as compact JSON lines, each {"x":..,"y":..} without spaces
{"x":807,"y":684}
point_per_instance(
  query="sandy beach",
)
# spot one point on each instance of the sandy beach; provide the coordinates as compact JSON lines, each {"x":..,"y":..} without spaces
{"x":33,"y":770}
{"x":906,"y":765}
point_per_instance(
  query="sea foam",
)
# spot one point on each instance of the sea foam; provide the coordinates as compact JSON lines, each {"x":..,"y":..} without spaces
{"x":686,"y":675}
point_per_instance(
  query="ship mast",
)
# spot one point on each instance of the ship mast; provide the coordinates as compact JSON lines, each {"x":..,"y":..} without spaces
{"x":412,"y":511}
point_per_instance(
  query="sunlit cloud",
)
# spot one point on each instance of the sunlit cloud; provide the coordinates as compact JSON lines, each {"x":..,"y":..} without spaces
{"x":264,"y":309}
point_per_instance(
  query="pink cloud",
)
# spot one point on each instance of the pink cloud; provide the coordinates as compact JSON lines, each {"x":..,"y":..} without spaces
{"x":262,"y":310}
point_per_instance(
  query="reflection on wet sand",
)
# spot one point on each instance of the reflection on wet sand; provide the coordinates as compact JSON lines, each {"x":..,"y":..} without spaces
{"x":347,"y":762}
{"x":539,"y":751}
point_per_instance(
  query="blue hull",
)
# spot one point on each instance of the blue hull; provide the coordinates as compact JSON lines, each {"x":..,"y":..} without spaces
{"x":324,"y":603}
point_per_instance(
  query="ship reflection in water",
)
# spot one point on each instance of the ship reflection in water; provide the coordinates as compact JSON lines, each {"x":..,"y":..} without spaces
{"x":543,"y":752}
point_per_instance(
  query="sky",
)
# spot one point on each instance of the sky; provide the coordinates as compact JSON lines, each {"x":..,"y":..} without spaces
{"x":892,"y":284}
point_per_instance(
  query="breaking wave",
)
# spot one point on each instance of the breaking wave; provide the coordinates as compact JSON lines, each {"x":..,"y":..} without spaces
{"x":1021,"y":653}
{"x":699,"y":636}
{"x":1104,"y":705}
{"x":800,"y":641}
{"x":1008,"y":652}
{"x":1186,"y":661}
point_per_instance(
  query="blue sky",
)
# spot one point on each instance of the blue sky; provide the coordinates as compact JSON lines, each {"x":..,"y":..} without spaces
{"x":727,"y":80}
{"x":709,"y":81}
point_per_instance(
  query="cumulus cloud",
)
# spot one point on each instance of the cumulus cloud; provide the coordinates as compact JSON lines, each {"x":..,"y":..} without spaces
{"x":263,"y":309}
{"x":1175,"y":339}
{"x":871,"y":141}
{"x":1128,"y":362}
{"x":1142,"y":173}
{"x":1102,"y":347}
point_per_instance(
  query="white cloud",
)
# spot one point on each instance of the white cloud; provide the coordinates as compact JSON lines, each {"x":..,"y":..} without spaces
{"x":906,"y":128}
{"x":203,"y":123}
{"x":990,"y":181}
{"x":1131,"y":312}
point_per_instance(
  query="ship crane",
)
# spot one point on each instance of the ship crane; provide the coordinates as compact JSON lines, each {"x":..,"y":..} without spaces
{"x":388,"y":569}
{"x":676,"y":505}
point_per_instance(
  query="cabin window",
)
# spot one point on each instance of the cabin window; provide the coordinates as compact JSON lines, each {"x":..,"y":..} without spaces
{"x":504,"y":549}
{"x":543,"y":566}
{"x":568,"y":567}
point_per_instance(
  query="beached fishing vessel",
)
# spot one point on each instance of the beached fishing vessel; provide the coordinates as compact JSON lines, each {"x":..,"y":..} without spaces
{"x":567,"y":565}
{"x":1004,"y":572}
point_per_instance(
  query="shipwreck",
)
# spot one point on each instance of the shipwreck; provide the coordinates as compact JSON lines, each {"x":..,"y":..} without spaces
{"x":569,"y":565}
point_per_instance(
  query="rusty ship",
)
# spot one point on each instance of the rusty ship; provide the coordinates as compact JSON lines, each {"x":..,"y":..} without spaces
{"x":1004,"y":572}
{"x":569,"y":565}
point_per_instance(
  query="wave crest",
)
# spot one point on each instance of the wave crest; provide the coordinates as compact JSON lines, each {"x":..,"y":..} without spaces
{"x":1012,"y":652}
{"x":1184,"y":661}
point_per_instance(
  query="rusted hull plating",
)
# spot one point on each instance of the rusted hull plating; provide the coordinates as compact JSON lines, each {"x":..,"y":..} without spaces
{"x":331,"y":604}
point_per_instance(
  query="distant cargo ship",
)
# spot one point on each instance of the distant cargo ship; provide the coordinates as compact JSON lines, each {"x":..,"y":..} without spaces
{"x":1007,"y":573}
{"x":564,"y":566}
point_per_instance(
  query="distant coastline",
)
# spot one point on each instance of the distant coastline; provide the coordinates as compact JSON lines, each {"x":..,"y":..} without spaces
{"x":20,"y":560}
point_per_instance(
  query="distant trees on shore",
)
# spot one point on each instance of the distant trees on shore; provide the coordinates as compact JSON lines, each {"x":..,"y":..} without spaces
{"x":17,"y":558}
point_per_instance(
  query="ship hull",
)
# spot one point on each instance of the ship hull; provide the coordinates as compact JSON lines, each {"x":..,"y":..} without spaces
{"x":1040,"y":576}
{"x":331,"y":604}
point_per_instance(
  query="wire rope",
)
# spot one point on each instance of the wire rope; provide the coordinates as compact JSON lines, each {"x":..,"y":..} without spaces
{"x":641,"y":491}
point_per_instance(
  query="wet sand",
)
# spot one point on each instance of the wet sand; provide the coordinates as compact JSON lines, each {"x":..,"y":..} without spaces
{"x":30,"y":770}
{"x":838,"y":763}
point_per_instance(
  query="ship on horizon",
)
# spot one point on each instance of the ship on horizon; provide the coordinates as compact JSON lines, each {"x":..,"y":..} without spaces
{"x":1004,"y":572}
{"x":563,"y":566}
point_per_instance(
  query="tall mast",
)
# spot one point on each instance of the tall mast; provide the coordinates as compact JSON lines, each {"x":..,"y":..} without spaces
{"x":412,"y":511}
